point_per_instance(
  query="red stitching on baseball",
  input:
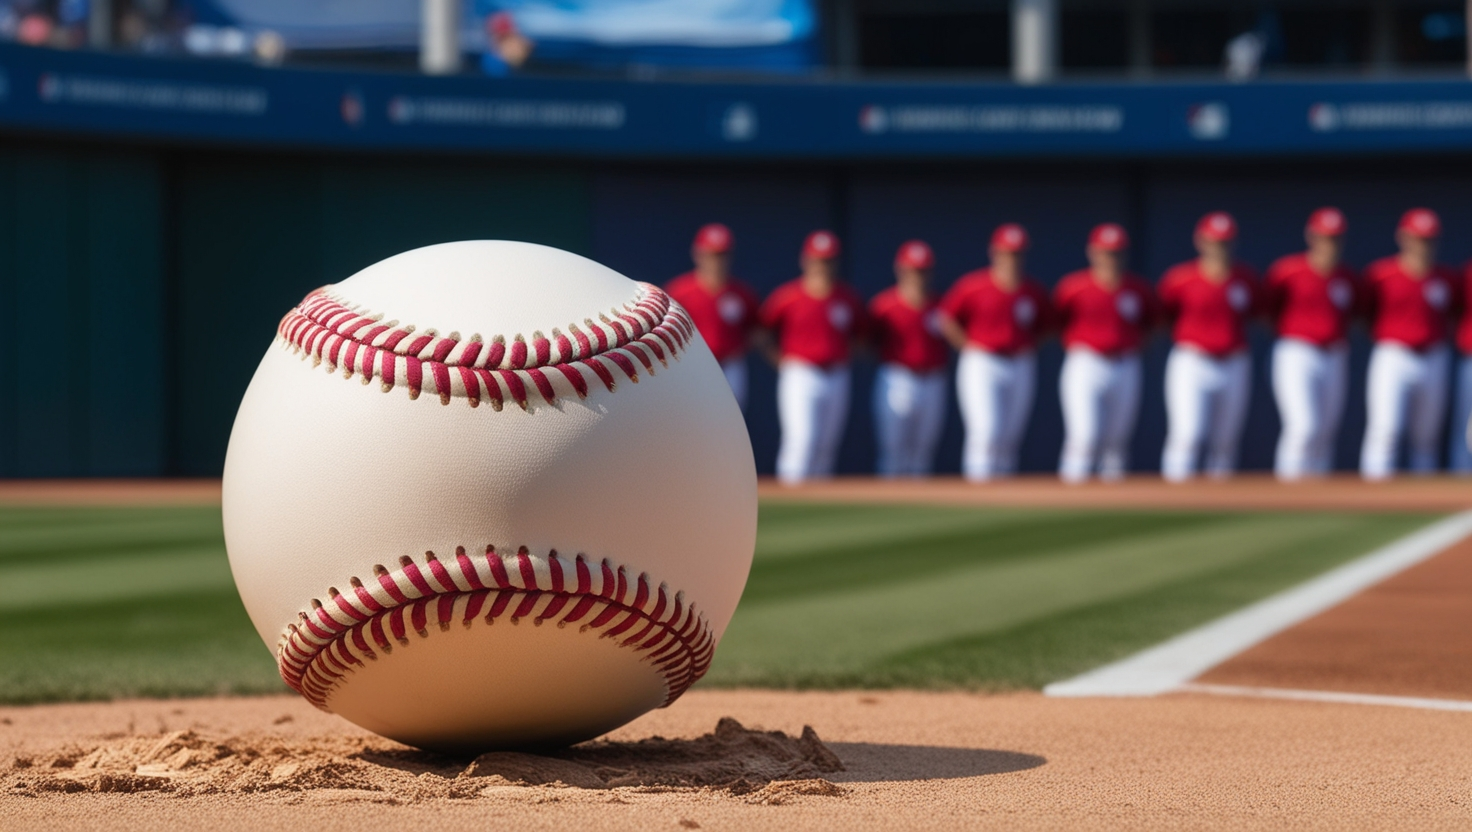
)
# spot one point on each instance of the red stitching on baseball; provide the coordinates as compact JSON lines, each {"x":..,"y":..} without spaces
{"x":650,"y":328}
{"x":330,"y":639}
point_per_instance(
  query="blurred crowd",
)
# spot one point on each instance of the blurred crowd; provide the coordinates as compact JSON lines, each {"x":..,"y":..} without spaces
{"x":166,"y":28}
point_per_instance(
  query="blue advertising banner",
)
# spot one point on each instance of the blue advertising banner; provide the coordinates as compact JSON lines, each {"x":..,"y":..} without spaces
{"x":224,"y":102}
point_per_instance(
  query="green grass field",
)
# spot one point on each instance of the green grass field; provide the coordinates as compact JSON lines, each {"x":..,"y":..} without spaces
{"x":104,"y":603}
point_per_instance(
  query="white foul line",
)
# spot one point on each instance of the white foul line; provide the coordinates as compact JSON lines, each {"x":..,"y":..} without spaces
{"x":1170,"y":664}
{"x":1330,"y":696}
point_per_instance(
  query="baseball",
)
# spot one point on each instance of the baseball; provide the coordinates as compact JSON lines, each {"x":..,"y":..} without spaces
{"x":489,"y":494}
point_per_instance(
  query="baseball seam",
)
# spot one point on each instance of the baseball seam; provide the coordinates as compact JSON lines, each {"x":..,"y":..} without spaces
{"x":331,"y":639}
{"x":648,"y":329}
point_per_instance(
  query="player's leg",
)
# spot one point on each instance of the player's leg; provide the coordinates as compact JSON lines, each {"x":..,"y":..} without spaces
{"x":889,"y":418}
{"x":930,"y":418}
{"x":1427,"y":410}
{"x":1187,"y":391}
{"x":1297,"y":379}
{"x":1459,"y":456}
{"x":832,"y":419}
{"x":799,"y":388}
{"x":1021,"y":382}
{"x":1230,"y":415}
{"x":1335,"y":392}
{"x":1121,"y":407}
{"x":910,"y":423}
{"x":1387,"y":386}
{"x":977,"y":386}
{"x":735,"y":371}
{"x":1082,"y":384}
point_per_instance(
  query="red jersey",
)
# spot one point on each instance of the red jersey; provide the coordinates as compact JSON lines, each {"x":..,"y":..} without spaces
{"x":1107,"y":321}
{"x":725,"y":319}
{"x":907,"y":336}
{"x":1209,"y":316}
{"x":996,"y":320}
{"x":1464,"y":328}
{"x":1406,"y":310}
{"x":816,"y":330}
{"x":1310,"y":306}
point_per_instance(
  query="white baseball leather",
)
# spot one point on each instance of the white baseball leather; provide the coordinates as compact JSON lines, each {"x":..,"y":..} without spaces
{"x":328,"y":477}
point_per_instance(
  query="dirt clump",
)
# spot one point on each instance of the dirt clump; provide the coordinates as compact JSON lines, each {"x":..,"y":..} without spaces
{"x":762,"y":766}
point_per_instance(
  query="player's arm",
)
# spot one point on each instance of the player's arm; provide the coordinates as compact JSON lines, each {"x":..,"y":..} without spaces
{"x":768,"y":329}
{"x":950,"y":313}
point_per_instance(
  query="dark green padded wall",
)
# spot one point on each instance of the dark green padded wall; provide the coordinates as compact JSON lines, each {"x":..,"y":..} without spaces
{"x":255,"y":234}
{"x":81,"y":303}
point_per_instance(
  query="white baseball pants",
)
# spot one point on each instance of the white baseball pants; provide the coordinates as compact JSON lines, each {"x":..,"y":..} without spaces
{"x":812,"y":406}
{"x":735,"y":372}
{"x":995,"y":393}
{"x":1100,"y":397}
{"x":1460,"y":457}
{"x":909,"y":410}
{"x":1205,"y":404}
{"x":1309,"y":383}
{"x":1405,"y":397}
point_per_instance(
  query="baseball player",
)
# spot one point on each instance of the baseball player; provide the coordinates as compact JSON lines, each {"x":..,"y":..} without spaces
{"x":1409,"y":299}
{"x":723,"y":308}
{"x":1311,"y":297}
{"x":994,"y":317}
{"x":816,"y":320}
{"x":1460,"y":457}
{"x":1104,"y":313}
{"x":910,"y":387}
{"x":1208,"y":373}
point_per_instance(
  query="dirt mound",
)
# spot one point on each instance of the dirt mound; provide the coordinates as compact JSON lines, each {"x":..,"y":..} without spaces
{"x":765,"y":766}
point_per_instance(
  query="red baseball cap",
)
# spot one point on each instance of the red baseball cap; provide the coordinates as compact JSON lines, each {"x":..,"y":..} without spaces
{"x":713,"y":238}
{"x":1110,"y":237}
{"x":1010,"y":237}
{"x":1217,"y":226}
{"x":1327,"y":222}
{"x":501,"y":24}
{"x":821,"y":244}
{"x":915,"y":254}
{"x":1420,"y":222}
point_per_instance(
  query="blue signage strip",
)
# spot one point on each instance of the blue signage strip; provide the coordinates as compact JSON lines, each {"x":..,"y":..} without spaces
{"x":176,"y":100}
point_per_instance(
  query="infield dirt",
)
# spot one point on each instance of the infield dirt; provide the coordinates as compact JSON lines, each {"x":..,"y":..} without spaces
{"x":910,"y":760}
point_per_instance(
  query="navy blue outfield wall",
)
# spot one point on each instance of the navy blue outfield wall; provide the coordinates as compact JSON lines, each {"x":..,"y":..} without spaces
{"x":119,"y":266}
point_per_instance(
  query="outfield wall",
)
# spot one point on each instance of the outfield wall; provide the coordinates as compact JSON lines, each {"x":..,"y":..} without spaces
{"x":140,"y":285}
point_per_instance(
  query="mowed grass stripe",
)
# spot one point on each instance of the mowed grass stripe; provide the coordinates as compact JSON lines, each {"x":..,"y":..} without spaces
{"x":952,"y":547}
{"x":51,"y":535}
{"x":843,"y":633}
{"x":195,"y":643}
{"x":113,"y":576}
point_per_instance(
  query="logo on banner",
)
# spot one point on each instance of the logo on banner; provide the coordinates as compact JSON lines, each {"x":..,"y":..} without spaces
{"x":1209,"y":122}
{"x":351,"y":108}
{"x":1323,"y":117}
{"x":873,"y":119}
{"x":738,"y":123}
